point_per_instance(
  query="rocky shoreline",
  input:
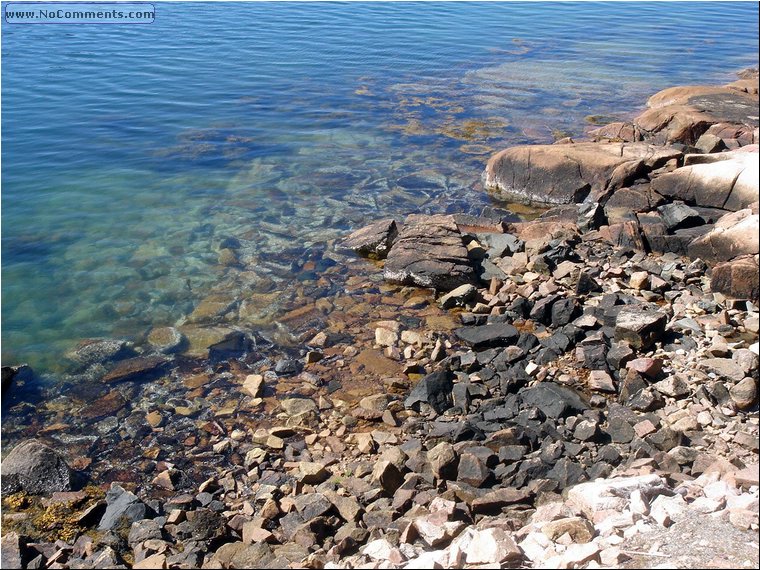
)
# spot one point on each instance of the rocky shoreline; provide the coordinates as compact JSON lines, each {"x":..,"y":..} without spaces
{"x":574,"y":391}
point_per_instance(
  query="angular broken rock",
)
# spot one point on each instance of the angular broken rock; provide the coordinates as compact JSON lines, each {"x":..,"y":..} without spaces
{"x":492,"y":546}
{"x":738,"y":278}
{"x":458,"y":297}
{"x":612,"y":494}
{"x":429,"y":252}
{"x":641,"y":326}
{"x":499,"y":334}
{"x":434,"y":390}
{"x":374,"y":240}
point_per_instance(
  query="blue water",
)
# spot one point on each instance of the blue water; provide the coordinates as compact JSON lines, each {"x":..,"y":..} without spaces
{"x":130,"y":152}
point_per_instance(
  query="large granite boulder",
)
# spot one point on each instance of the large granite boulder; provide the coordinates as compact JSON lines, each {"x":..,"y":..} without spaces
{"x":729,"y":184}
{"x":429,"y":252}
{"x":569,"y":173}
{"x":683,"y":114}
{"x":34,"y":467}
{"x":734,"y":235}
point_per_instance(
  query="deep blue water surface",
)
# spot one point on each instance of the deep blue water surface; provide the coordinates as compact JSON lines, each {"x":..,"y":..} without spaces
{"x":131,"y":152}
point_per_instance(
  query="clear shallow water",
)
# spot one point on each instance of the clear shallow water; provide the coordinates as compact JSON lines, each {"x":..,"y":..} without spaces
{"x":131,"y":152}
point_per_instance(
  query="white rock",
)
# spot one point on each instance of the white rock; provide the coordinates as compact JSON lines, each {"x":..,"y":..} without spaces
{"x":612,"y":494}
{"x":535,"y":545}
{"x":492,"y":545}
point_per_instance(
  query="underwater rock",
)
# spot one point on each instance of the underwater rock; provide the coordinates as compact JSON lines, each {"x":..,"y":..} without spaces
{"x":34,"y":467}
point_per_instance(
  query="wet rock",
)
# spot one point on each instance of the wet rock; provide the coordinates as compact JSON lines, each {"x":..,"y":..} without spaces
{"x":288,"y":367}
{"x":137,"y":368}
{"x":429,"y":252}
{"x":374,"y":240}
{"x":434,"y":390}
{"x":35,"y":468}
{"x":640,"y":326}
{"x":99,"y":351}
{"x":21,"y":373}
{"x":165,"y":339}
{"x":564,"y":174}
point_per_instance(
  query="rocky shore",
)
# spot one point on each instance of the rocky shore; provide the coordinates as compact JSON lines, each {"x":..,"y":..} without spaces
{"x":576,"y":391}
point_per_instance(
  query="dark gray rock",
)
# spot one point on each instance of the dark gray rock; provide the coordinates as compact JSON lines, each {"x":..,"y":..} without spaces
{"x":479,"y":337}
{"x":564,"y":311}
{"x":142,"y":530}
{"x":553,"y":400}
{"x":288,"y":367}
{"x":35,"y":468}
{"x":429,"y":252}
{"x":374,"y":240}
{"x":619,"y":430}
{"x":500,"y":245}
{"x":678,"y":215}
{"x":434,"y":389}
{"x":312,"y":505}
{"x":122,"y":506}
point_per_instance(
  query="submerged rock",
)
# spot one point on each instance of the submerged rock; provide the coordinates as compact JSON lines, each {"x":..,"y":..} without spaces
{"x":35,"y":468}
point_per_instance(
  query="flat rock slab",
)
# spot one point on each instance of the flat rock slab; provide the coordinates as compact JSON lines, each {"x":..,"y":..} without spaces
{"x":568,"y":173}
{"x":134,"y":368}
{"x":429,"y":252}
{"x":553,"y":400}
{"x":484,"y":336}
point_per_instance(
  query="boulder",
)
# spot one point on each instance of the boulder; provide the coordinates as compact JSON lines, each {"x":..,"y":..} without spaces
{"x":564,"y":174}
{"x":682,"y":114}
{"x":35,"y":468}
{"x":734,"y":235}
{"x":374,"y":240}
{"x":429,"y":252}
{"x":739,"y":278}
{"x":729,"y":184}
